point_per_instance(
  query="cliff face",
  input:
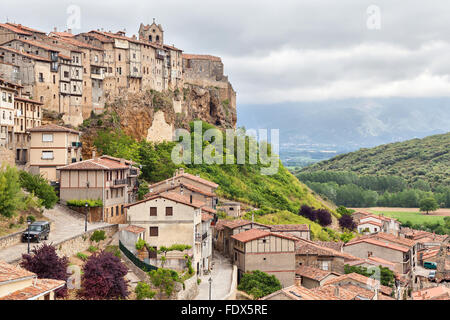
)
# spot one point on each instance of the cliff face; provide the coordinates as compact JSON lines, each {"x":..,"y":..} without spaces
{"x":153,"y":115}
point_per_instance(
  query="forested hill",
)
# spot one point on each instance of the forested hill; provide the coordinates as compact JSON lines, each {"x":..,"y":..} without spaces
{"x":424,"y":160}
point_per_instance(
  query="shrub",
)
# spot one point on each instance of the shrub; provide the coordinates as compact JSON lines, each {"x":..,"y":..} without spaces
{"x":82,"y":256}
{"x":104,"y":277}
{"x":323,"y":217}
{"x":164,"y":280}
{"x":98,"y":236}
{"x":45,"y":262}
{"x":10,"y":193}
{"x":140,"y":244}
{"x":31,"y":218}
{"x":82,"y":203}
{"x":346,"y":222}
{"x":92,"y":249}
{"x":114,"y":250}
{"x":259,"y":284}
{"x":40,"y":187}
{"x":308,"y":212}
{"x":143,"y":291}
{"x":21,"y":220}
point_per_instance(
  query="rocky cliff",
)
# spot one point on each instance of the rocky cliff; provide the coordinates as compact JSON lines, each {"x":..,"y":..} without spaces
{"x":153,"y":115}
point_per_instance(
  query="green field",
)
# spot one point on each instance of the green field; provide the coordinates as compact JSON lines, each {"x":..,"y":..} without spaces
{"x":413,"y":217}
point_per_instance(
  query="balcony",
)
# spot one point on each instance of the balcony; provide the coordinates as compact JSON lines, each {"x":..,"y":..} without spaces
{"x":120,"y":182}
{"x":77,"y":144}
{"x":200,"y":237}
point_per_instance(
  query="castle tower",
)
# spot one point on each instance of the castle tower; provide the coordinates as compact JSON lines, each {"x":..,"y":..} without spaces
{"x":153,"y":33}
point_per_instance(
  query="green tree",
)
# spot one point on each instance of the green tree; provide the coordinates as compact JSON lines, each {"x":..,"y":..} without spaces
{"x":164,"y":280}
{"x":10,"y":192}
{"x":428,"y":204}
{"x":259,"y":284}
{"x":143,"y":291}
{"x":40,"y":187}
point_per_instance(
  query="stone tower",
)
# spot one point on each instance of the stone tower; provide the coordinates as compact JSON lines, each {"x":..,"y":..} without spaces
{"x":153,"y":33}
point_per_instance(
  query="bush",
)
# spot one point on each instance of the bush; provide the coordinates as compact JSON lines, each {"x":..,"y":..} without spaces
{"x":31,"y":218}
{"x":10,"y":193}
{"x":308,"y":212}
{"x":140,"y":244}
{"x":40,"y":187}
{"x":346,"y":222}
{"x":259,"y":284}
{"x":45,"y":262}
{"x":164,"y":280}
{"x":143,"y":291}
{"x":92,"y":249}
{"x":82,"y":256}
{"x":104,"y":277}
{"x":114,"y":250}
{"x":323,"y":217}
{"x":98,"y":236}
{"x":82,"y":203}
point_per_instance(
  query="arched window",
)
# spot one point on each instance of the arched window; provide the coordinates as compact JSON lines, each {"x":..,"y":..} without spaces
{"x":157,"y":38}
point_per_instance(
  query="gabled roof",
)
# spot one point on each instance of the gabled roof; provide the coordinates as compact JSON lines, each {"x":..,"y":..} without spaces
{"x":361,"y":279}
{"x":370,"y":222}
{"x":254,"y":234}
{"x":171,"y":196}
{"x":378,"y":243}
{"x":32,"y":43}
{"x":185,"y":185}
{"x":206,"y":217}
{"x":436,"y":293}
{"x":9,"y":272}
{"x":95,"y":164}
{"x":289,"y":227}
{"x":201,"y":57}
{"x":314,"y":273}
{"x":39,"y":287}
{"x":188,"y":176}
{"x":232,"y":224}
{"x":308,"y":247}
{"x":53,"y":128}
{"x":15,"y":29}
{"x":22,"y":27}
{"x":23,"y":53}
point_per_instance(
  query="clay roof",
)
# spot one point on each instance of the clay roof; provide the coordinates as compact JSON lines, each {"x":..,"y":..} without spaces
{"x":208,"y":209}
{"x":14,"y":29}
{"x":361,"y":279}
{"x":378,"y":243}
{"x":7,"y":82}
{"x":63,"y":34}
{"x":23,"y":53}
{"x":335,"y":245}
{"x":22,"y":27}
{"x":95,"y":164}
{"x":331,"y":292}
{"x":392,"y":238}
{"x":188,"y":176}
{"x":171,"y":196}
{"x":370,"y":222}
{"x":313,"y":273}
{"x":201,"y":57}
{"x":187,"y":186}
{"x":206,"y":217}
{"x":359,"y":291}
{"x":9,"y":272}
{"x":307,"y":247}
{"x":39,"y":287}
{"x":33,"y":43}
{"x":172,"y":47}
{"x":80,"y":44}
{"x":289,"y":227}
{"x":97,"y":35}
{"x":296,"y":293}
{"x":232,"y":224}
{"x":24,"y":99}
{"x":134,"y":229}
{"x":254,"y":234}
{"x":53,"y":128}
{"x":440,"y":292}
{"x":380,"y":261}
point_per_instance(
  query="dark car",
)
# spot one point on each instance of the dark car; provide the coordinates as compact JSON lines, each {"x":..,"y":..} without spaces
{"x":38,"y":230}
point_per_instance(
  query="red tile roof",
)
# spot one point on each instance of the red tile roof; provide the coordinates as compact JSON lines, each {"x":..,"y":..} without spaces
{"x":359,"y":291}
{"x":254,"y":234}
{"x":9,"y":272}
{"x":63,"y":34}
{"x":95,"y":164}
{"x":378,"y":243}
{"x":188,"y":176}
{"x":360,"y":279}
{"x":24,"y":99}
{"x":39,"y":287}
{"x":171,"y":196}
{"x":187,"y":186}
{"x":134,"y":229}
{"x":53,"y":128}
{"x":440,"y":292}
{"x":33,"y":43}
{"x":314,"y":273}
{"x":206,"y":217}
{"x":370,"y":222}
{"x":23,"y":53}
{"x":208,"y":209}
{"x":14,"y":29}
{"x":22,"y":27}
{"x":289,"y":227}
{"x":201,"y":57}
{"x":307,"y":247}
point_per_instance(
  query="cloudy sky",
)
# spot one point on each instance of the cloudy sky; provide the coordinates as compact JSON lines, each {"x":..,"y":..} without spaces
{"x":286,"y":51}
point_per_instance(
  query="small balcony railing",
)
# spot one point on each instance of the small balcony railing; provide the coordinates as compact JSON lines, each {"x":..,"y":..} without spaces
{"x":120,"y":182}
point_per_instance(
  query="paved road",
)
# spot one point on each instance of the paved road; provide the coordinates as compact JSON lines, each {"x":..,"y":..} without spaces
{"x":65,"y":224}
{"x":221,"y":275}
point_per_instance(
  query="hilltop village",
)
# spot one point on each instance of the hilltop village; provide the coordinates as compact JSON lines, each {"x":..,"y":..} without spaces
{"x":179,"y":230}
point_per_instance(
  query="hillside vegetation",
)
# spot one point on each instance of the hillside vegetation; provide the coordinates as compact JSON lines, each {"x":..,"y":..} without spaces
{"x":425,"y":159}
{"x":394,"y":175}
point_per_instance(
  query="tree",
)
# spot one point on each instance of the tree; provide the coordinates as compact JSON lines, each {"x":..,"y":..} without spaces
{"x":143,"y":291}
{"x":346,"y":222}
{"x":308,"y":212}
{"x":428,"y":204}
{"x":40,"y":187}
{"x":45,"y":262}
{"x":10,"y":192}
{"x":323,"y":217}
{"x":259,"y":284}
{"x":103,"y":277}
{"x":387,"y":276}
{"x":164,"y":280}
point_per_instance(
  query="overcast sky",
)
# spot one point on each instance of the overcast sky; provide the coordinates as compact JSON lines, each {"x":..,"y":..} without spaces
{"x":286,"y":51}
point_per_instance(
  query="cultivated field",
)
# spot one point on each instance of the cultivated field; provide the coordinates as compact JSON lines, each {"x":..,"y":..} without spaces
{"x":409,"y":214}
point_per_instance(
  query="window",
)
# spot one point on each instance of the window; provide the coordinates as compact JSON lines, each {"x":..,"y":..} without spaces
{"x":153,"y":231}
{"x":153,"y":212}
{"x":47,"y":137}
{"x":117,"y":210}
{"x":47,"y":155}
{"x":66,"y":74}
{"x":235,"y":256}
{"x":169,"y":211}
{"x":41,"y":77}
{"x":325,"y":265}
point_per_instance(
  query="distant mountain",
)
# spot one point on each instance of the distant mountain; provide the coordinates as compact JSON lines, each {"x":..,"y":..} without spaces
{"x":425,"y":159}
{"x":320,"y":130}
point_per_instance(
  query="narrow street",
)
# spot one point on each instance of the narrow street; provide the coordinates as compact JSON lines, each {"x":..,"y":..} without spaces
{"x":65,"y":224}
{"x":221,"y":275}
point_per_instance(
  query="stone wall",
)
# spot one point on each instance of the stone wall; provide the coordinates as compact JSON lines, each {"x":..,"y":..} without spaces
{"x":190,"y":290}
{"x":233,"y":288}
{"x":7,"y":156}
{"x":10,"y":239}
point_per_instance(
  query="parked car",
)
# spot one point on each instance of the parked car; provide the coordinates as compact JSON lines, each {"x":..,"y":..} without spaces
{"x":38,"y":230}
{"x":432,"y":275}
{"x":429,"y":265}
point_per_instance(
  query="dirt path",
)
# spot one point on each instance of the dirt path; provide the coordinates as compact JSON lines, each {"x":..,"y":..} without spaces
{"x":439,"y":212}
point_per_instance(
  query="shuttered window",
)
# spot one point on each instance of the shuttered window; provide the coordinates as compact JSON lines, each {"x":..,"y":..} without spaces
{"x":153,"y":231}
{"x":153,"y":211}
{"x":169,"y":211}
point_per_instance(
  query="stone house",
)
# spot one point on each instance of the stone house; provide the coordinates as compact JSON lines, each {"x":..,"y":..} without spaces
{"x":17,"y":283}
{"x":171,"y":218}
{"x":269,"y":252}
{"x":372,"y":262}
{"x":7,"y":113}
{"x":225,"y":229}
{"x":130,"y":235}
{"x":310,"y":277}
{"x":369,"y":227}
{"x":231,"y":209}
{"x":310,"y":254}
{"x":51,"y":147}
{"x":298,"y":230}
{"x":371,"y":223}
{"x":9,"y":31}
{"x":105,"y":178}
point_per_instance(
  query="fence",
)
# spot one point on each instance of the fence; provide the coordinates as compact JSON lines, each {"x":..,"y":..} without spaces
{"x":138,"y":263}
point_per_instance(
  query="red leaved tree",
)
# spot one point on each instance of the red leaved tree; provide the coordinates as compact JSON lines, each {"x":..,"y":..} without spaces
{"x":323,"y":217}
{"x":45,"y":262}
{"x":103,"y":278}
{"x":346,"y":222}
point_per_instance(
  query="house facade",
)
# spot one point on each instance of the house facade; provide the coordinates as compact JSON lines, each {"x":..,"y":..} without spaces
{"x":272,"y":253}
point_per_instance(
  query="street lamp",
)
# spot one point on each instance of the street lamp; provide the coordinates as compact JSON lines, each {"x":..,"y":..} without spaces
{"x":86,"y":218}
{"x":210,"y":283}
{"x":28,"y":235}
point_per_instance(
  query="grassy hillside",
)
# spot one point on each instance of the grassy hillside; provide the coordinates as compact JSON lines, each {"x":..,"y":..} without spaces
{"x":425,"y":159}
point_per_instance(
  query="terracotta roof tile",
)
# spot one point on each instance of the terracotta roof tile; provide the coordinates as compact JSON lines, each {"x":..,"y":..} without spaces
{"x":378,"y":243}
{"x":9,"y":272}
{"x":15,"y":29}
{"x":201,"y":57}
{"x":370,"y":222}
{"x":289,"y":227}
{"x":28,"y":55}
{"x":254,"y":234}
{"x":313,"y":273}
{"x":33,"y":43}
{"x":134,"y":229}
{"x":52,"y":128}
{"x":171,"y":196}
{"x":39,"y":287}
{"x":206,"y":217}
{"x":359,"y":291}
{"x":361,"y":279}
{"x":440,"y":292}
{"x":22,"y":27}
{"x":188,"y":176}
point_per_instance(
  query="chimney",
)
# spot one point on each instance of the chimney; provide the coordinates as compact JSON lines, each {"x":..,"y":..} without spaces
{"x":336,"y":291}
{"x":69,"y":31}
{"x":298,"y":281}
{"x":93,"y":154}
{"x":181,"y":171}
{"x":55,"y":29}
